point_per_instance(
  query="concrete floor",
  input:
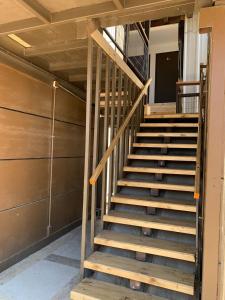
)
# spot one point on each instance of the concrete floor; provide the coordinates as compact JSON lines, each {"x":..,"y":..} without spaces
{"x":48,"y":274}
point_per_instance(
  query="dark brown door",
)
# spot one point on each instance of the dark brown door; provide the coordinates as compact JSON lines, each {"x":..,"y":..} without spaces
{"x":166,"y":75}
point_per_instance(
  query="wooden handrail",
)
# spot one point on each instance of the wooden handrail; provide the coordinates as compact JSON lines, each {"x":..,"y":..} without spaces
{"x":104,"y":45}
{"x":115,"y":140}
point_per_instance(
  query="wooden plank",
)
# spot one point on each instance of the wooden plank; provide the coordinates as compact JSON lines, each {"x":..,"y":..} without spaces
{"x":120,"y":131}
{"x":24,"y":93}
{"x":188,"y":82}
{"x":172,"y":116}
{"x":23,"y":182}
{"x":169,"y":125}
{"x":101,"y":41}
{"x":162,"y":157}
{"x":146,"y":245}
{"x":23,"y":135}
{"x":65,"y":143}
{"x":167,"y":134}
{"x":153,"y":185}
{"x":91,"y":289}
{"x":159,"y":170}
{"x":165,"y":145}
{"x":156,"y":202}
{"x":157,"y":275}
{"x":23,"y":226}
{"x":150,"y":221}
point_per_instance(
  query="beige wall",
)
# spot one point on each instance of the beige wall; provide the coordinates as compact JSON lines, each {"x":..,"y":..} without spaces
{"x":26,"y":120}
{"x":213,"y":20}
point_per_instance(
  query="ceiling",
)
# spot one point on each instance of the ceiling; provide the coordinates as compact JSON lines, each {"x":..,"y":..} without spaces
{"x":52,"y":34}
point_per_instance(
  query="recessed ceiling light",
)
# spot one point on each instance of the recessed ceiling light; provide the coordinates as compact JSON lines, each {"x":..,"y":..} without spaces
{"x":19,"y":40}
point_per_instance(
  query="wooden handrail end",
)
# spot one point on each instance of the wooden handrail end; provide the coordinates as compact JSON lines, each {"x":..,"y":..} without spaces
{"x":196,"y":196}
{"x":92,"y":181}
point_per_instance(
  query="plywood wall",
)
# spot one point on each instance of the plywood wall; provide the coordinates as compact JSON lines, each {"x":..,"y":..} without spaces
{"x":26,"y":160}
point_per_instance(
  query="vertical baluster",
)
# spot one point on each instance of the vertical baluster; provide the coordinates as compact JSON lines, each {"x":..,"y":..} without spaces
{"x":112,"y":124}
{"x":118,"y":122}
{"x":123,"y":147}
{"x":129,"y":107}
{"x":105,"y":136}
{"x":96,"y":141}
{"x":127,"y":132}
{"x":87,"y":152}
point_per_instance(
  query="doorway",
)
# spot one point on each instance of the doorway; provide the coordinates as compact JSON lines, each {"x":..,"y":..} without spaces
{"x":166,"y":76}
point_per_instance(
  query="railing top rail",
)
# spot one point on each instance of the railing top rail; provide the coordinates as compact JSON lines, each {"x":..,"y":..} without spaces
{"x":115,"y":140}
{"x":100,"y":40}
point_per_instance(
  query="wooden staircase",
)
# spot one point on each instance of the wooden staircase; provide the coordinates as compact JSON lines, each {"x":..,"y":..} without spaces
{"x":146,"y":248}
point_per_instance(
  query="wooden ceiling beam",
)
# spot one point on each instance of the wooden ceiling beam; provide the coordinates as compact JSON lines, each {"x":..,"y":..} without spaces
{"x":37,"y":10}
{"x":119,"y":4}
{"x":57,"y":47}
{"x":133,"y":10}
{"x":63,"y":66}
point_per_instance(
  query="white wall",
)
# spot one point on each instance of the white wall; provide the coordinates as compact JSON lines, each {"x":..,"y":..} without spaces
{"x":162,"y":39}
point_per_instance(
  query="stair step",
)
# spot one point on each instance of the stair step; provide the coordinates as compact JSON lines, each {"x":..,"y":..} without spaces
{"x":171,"y":116}
{"x":162,"y":157}
{"x":162,"y":145}
{"x":167,"y":134}
{"x":146,"y":245}
{"x":157,"y":275}
{"x":91,"y":289}
{"x":151,"y":221}
{"x":154,"y":185}
{"x":169,"y":125}
{"x":163,"y":203}
{"x":159,"y":170}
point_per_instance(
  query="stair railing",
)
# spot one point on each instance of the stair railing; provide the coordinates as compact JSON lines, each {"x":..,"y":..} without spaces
{"x":199,"y":175}
{"x":114,"y":108}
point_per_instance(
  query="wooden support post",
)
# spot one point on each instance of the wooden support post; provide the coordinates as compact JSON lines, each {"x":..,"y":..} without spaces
{"x":96,"y":141}
{"x":87,"y":154}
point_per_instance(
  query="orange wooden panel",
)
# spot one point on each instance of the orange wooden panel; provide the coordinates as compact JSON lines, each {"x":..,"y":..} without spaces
{"x":71,"y":206}
{"x":22,"y":227}
{"x":67,"y":174}
{"x":23,"y":181}
{"x":69,"y":140}
{"x":23,"y":135}
{"x":21,"y":92}
{"x":69,"y":108}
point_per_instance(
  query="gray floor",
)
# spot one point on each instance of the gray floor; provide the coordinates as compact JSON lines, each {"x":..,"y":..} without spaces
{"x":48,"y":274}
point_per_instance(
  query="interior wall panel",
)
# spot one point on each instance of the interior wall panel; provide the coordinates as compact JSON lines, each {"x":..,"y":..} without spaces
{"x":26,"y":120}
{"x":21,"y":92}
{"x":23,"y":182}
{"x":23,"y":135}
{"x":21,"y":227}
{"x":69,"y":140}
{"x":71,"y":205}
{"x":67,"y":175}
{"x":69,"y":108}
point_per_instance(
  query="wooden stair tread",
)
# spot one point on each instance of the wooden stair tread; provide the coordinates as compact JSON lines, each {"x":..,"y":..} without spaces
{"x":91,"y":289}
{"x":151,"y":221}
{"x":169,"y":125}
{"x":159,"y":170}
{"x":167,"y":134}
{"x":171,"y":116}
{"x":157,"y":275}
{"x":156,"y":203}
{"x":164,"y":145}
{"x":155,"y":185}
{"x":162,"y":157}
{"x":146,"y":245}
